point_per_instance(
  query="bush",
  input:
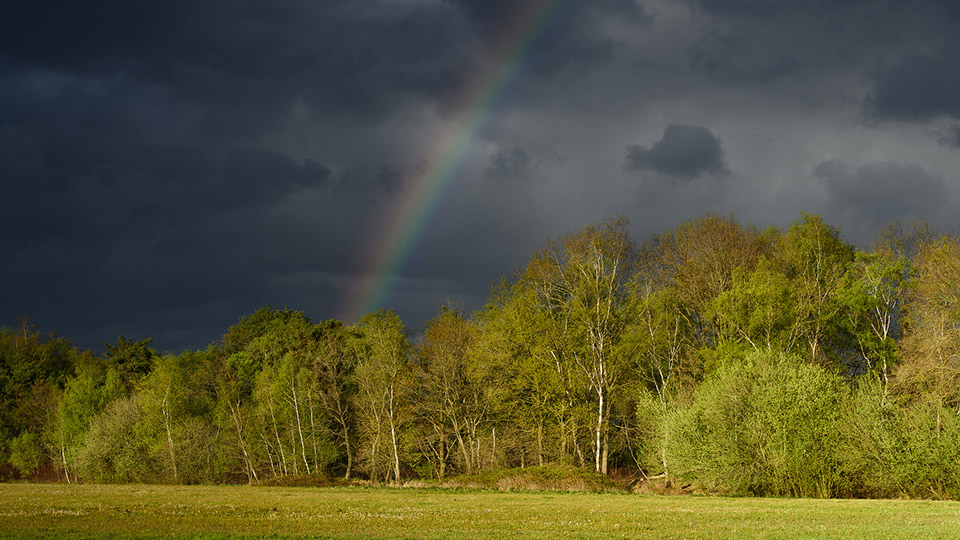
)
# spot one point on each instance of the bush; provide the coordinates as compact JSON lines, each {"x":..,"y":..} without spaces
{"x":113,"y":450}
{"x":650,"y":417}
{"x":768,"y":425}
{"x":924,"y":457}
{"x":553,"y":477}
{"x":304,"y":480}
{"x":895,"y":448}
{"x":26,"y":453}
{"x":193,"y":437}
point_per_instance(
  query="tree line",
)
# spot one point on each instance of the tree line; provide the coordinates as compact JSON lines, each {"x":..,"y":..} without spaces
{"x":742,"y":360}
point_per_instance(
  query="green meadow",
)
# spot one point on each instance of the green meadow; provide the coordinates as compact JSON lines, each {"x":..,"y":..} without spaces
{"x":118,"y":511}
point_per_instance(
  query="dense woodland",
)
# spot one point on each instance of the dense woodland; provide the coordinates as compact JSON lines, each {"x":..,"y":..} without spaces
{"x":740,"y":360}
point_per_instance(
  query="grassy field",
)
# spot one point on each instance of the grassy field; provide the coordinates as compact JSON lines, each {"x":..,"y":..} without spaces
{"x":78,"y":511}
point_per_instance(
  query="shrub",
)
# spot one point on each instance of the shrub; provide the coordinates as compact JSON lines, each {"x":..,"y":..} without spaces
{"x":26,"y":453}
{"x":650,"y":416}
{"x":114,"y":451}
{"x":552,"y":477}
{"x":303,"y":480}
{"x":924,"y":454}
{"x":765,"y":426}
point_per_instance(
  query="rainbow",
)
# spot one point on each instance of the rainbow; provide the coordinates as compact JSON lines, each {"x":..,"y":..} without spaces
{"x":474,"y":105}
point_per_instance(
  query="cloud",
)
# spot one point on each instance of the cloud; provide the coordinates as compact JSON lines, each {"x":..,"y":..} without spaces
{"x":879,"y":192}
{"x":358,"y":58}
{"x":508,"y":165}
{"x":571,"y":36}
{"x":496,"y":14}
{"x":764,"y":9}
{"x":146,"y":150}
{"x":918,"y":88}
{"x":168,"y":167}
{"x":257,"y":176}
{"x":949,"y":137}
{"x":731,"y":60}
{"x":684,"y":152}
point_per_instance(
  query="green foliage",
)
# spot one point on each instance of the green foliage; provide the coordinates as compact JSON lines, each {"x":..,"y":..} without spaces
{"x":384,"y":383}
{"x":118,"y":447}
{"x":875,"y":293}
{"x":747,"y":362}
{"x":759,"y":310}
{"x":131,"y":360}
{"x":900,"y":449}
{"x":26,"y":453}
{"x":583,"y":283}
{"x":815,"y":259}
{"x":763,"y":426}
{"x":926,"y":458}
{"x":451,"y":405}
{"x":931,"y":345}
{"x":33,"y":367}
{"x":651,"y":432}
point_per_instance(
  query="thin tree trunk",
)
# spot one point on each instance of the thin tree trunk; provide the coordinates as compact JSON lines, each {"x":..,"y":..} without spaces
{"x":313,"y":430}
{"x":346,"y":443}
{"x":443,"y":459}
{"x":276,"y":432}
{"x":266,"y":447}
{"x":374,"y":450}
{"x":467,"y":459}
{"x":375,"y":447}
{"x":576,"y":444}
{"x":293,"y":449}
{"x":597,"y":448}
{"x":166,"y":424}
{"x":606,"y":450}
{"x":393,"y":438}
{"x":540,"y":442}
{"x":63,"y":455}
{"x":296,"y":409}
{"x":251,"y":472}
{"x":664,"y":442}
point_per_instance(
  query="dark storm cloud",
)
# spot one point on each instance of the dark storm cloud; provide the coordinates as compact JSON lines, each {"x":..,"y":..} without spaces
{"x":166,"y":167}
{"x":215,"y":61}
{"x":376,"y":179}
{"x":811,"y":51}
{"x":508,"y":165}
{"x":150,"y":186}
{"x":724,"y":58}
{"x":135,"y":165}
{"x":684,"y":152}
{"x":138,"y":230}
{"x":765,"y":8}
{"x":573,"y":33}
{"x":256,"y":175}
{"x":950,"y":137}
{"x":495,"y":14}
{"x":913,"y":76}
{"x":879,"y":192}
{"x":918,"y":88}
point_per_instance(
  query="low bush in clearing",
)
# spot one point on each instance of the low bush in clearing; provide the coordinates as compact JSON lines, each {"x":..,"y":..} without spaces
{"x":553,"y":477}
{"x":305,"y":480}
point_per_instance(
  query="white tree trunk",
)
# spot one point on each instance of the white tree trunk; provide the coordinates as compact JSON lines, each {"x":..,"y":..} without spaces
{"x":393,"y":438}
{"x":166,"y":424}
{"x":296,"y":410}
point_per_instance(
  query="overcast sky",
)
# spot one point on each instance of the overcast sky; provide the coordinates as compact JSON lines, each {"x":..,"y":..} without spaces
{"x":167,"y":167}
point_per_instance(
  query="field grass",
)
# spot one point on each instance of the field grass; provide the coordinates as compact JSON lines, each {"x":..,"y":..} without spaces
{"x":80,"y":511}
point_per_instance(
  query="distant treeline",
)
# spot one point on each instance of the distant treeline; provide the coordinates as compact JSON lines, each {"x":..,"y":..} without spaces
{"x":741,"y":360}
